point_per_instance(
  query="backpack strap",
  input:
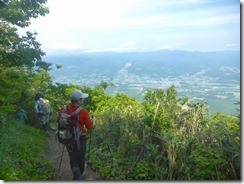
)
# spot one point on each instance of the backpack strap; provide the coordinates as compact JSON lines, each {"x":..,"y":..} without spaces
{"x":78,"y":110}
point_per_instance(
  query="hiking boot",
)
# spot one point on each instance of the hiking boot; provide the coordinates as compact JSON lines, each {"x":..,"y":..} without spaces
{"x":83,"y":176}
{"x":77,"y":173}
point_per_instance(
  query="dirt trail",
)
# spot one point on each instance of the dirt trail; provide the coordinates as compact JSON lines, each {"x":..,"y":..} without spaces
{"x":62,"y":169}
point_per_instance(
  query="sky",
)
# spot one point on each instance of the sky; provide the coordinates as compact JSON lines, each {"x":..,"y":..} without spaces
{"x":138,"y":25}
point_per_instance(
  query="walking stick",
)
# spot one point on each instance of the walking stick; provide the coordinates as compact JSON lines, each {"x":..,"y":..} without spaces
{"x":61,"y":158}
{"x":89,"y":149}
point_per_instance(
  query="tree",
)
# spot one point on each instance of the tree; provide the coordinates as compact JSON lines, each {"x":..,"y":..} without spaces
{"x":20,"y":12}
{"x":103,"y":85}
{"x":20,"y":56}
{"x":14,"y":49}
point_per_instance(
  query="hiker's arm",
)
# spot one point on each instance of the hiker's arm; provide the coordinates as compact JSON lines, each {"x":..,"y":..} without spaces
{"x":88,"y":120}
{"x":36,"y":107}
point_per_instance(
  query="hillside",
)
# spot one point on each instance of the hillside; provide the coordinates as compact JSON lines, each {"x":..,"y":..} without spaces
{"x":162,"y":138}
{"x":170,"y":115}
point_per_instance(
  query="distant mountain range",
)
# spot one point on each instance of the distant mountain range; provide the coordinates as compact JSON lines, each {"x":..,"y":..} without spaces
{"x":213,"y":76}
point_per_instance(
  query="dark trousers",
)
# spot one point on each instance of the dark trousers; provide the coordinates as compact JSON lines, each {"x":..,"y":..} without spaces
{"x":77,"y":159}
{"x":45,"y":127}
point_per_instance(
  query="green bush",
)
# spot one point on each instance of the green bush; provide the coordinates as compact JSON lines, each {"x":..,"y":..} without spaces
{"x":158,"y":140}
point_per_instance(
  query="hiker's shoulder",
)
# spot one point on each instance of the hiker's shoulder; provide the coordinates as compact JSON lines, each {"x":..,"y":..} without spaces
{"x":43,"y":100}
{"x":83,"y":111}
{"x":46,"y":100}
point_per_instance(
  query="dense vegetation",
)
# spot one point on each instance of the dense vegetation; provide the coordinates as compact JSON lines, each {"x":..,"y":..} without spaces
{"x":23,"y":152}
{"x":161,"y":138}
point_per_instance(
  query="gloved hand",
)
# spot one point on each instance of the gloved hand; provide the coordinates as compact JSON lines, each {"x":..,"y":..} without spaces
{"x":93,"y":120}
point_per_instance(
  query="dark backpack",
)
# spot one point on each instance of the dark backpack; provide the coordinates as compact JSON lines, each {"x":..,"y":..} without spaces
{"x":68,"y":131}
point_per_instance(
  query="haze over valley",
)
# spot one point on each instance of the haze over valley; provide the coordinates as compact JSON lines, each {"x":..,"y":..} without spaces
{"x":213,"y":76}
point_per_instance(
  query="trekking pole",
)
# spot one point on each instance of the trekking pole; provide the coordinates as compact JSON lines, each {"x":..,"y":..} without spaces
{"x":89,"y":149}
{"x":61,"y":158}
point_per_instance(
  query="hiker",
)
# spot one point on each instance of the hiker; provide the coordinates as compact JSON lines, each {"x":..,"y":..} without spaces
{"x":44,"y":110}
{"x":21,"y":116}
{"x":77,"y":155}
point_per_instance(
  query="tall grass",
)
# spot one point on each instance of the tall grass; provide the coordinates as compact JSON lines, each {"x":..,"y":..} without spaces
{"x":23,"y":152}
{"x":162,"y":141}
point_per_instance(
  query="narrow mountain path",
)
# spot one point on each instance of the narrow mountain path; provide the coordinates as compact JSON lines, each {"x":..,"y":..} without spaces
{"x":59,"y":155}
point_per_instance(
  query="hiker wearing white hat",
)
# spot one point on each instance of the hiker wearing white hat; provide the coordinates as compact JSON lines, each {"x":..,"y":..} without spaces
{"x":77,"y":153}
{"x":77,"y":94}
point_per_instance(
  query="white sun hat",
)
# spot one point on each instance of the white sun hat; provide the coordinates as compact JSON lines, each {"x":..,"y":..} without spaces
{"x":77,"y":94}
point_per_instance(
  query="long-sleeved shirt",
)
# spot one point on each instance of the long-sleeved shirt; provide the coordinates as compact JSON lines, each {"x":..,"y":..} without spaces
{"x":84,"y":119}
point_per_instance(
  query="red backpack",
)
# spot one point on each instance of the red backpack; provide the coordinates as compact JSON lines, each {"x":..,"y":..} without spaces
{"x":68,"y":130}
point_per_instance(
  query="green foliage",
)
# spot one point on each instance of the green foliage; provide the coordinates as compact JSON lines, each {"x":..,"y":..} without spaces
{"x":20,"y":56}
{"x":23,"y":148}
{"x":157,"y":139}
{"x":142,"y":171}
{"x":23,"y":153}
{"x":103,"y":85}
{"x":20,"y":12}
{"x":164,"y":138}
{"x":20,"y":51}
{"x":217,"y":153}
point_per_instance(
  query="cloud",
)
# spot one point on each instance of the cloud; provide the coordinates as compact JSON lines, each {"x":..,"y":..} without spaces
{"x":65,"y":45}
{"x":124,"y":47}
{"x":127,"y":45}
{"x":232,"y":45}
{"x":86,"y":14}
{"x":172,"y":46}
{"x":104,"y":25}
